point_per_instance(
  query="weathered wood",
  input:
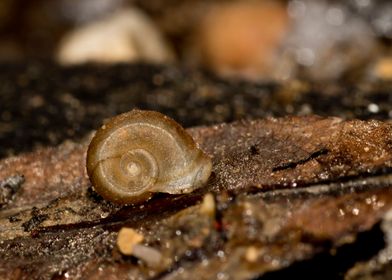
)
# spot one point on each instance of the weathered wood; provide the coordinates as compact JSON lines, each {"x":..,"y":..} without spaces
{"x":287,"y":191}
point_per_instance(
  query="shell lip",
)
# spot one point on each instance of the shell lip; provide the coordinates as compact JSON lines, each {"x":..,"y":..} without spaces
{"x":198,"y":174}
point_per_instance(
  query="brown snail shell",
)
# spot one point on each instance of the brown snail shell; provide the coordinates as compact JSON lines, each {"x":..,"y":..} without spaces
{"x":139,"y":153}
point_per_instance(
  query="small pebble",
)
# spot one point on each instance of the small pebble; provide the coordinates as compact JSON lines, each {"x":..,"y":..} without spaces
{"x":128,"y":242}
{"x":127,"y":239}
{"x":207,"y":206}
{"x":251,"y":254}
{"x":125,"y":36}
{"x":151,"y":256}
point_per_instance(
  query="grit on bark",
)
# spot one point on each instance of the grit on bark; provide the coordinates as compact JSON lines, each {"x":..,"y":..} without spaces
{"x":288,"y":192}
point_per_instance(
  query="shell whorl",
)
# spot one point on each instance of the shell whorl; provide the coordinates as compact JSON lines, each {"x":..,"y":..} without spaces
{"x":141,"y":152}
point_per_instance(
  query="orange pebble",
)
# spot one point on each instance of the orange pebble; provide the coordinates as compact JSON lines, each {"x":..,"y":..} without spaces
{"x":242,"y":37}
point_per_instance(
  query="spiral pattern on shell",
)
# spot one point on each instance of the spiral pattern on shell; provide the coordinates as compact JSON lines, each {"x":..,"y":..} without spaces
{"x":141,"y":152}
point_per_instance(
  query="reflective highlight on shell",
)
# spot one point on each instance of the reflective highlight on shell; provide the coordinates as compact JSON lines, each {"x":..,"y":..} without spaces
{"x":139,"y":153}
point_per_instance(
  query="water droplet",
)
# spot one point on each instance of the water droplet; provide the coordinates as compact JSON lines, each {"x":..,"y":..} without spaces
{"x":188,"y":253}
{"x":222,"y":276}
{"x":373,"y":108}
{"x":305,"y":56}
{"x":180,"y":270}
{"x":296,"y":8}
{"x":220,"y":254}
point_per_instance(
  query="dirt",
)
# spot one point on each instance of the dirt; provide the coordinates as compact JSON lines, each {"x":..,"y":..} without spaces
{"x":57,"y":103}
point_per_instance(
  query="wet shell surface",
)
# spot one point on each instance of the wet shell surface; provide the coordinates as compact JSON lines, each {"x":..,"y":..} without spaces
{"x":139,"y":153}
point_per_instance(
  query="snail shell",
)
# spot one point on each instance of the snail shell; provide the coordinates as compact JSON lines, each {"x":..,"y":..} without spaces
{"x":141,"y":152}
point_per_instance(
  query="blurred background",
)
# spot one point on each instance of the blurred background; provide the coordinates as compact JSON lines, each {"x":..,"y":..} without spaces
{"x":255,"y":40}
{"x":67,"y":65}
